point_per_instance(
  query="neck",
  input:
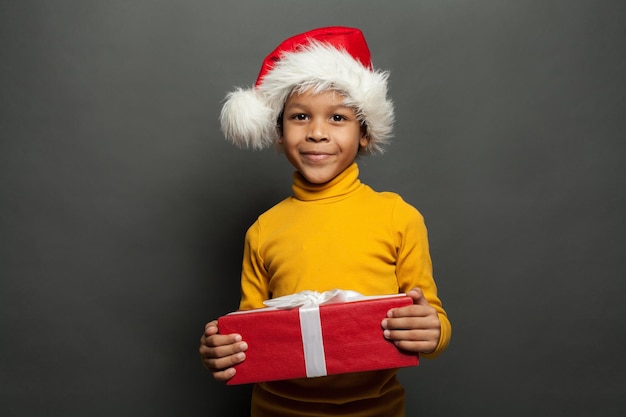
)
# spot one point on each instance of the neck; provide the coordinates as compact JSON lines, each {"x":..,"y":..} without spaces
{"x":344,"y":183}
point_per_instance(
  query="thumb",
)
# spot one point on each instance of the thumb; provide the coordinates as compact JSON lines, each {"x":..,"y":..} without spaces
{"x":417,"y":296}
{"x":211,"y":328}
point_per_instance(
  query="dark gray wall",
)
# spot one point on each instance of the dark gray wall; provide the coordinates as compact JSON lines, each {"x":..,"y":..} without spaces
{"x":122,"y":209}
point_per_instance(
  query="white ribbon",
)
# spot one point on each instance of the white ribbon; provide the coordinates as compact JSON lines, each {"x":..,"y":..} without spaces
{"x":310,"y":322}
{"x":312,"y":341}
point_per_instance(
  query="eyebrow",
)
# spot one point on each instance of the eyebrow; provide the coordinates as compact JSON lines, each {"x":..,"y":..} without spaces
{"x":305,"y":106}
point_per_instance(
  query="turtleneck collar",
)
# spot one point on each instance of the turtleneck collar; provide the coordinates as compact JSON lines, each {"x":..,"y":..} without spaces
{"x":344,"y":183}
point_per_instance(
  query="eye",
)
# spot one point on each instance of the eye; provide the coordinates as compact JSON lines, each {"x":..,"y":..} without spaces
{"x":299,"y":116}
{"x":337,"y":118}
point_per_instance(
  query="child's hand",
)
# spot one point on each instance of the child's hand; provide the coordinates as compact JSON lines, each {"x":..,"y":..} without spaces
{"x":415,"y":328}
{"x":219,"y":353}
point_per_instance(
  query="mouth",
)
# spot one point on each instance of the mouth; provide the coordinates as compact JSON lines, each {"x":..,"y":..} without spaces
{"x":315,"y":156}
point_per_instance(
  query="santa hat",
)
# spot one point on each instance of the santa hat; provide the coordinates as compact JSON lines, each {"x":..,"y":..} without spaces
{"x":336,"y":58}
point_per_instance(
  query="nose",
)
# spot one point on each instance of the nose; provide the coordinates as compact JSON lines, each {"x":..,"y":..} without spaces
{"x":317,"y":132}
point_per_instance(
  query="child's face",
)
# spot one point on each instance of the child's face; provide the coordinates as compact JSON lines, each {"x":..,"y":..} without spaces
{"x":320,"y":136}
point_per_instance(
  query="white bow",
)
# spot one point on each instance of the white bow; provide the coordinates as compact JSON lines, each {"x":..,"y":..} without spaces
{"x":313,"y":298}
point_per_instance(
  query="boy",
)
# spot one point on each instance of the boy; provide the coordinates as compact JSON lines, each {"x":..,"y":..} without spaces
{"x":319,"y":100}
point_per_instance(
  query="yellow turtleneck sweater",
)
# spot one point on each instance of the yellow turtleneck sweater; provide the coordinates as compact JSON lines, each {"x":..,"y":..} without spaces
{"x":344,"y":235}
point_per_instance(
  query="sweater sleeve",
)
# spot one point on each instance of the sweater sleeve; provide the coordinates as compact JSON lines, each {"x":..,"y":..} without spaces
{"x":254,"y":278}
{"x":414,"y":265}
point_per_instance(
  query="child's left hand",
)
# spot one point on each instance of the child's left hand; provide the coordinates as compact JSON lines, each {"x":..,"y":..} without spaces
{"x":415,"y":328}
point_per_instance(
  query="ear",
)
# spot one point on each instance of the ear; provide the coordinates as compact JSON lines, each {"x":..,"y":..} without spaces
{"x":279,"y":128}
{"x":364,"y":140}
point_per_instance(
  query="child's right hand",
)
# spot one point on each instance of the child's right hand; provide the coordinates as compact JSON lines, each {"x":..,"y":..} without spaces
{"x":219,"y":353}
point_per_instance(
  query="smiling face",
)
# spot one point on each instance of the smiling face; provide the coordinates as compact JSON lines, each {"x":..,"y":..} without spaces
{"x":320,"y":135}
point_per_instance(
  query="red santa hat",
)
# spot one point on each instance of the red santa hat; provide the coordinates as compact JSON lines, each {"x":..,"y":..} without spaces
{"x":330,"y":58}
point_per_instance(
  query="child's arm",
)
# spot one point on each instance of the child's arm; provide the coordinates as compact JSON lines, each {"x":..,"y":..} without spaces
{"x":219,"y":353}
{"x":415,"y":328}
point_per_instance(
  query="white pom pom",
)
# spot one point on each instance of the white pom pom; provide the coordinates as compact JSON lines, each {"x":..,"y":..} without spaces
{"x":247,"y":121}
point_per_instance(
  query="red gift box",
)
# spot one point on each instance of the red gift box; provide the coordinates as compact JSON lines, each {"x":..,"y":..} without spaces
{"x":316,"y":340}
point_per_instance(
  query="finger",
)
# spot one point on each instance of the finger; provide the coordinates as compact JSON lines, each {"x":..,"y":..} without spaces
{"x":417,"y":296}
{"x":418,"y":301}
{"x":411,"y":311}
{"x":415,"y":335}
{"x":217,"y":364}
{"x":229,"y":350}
{"x":411,"y":322}
{"x":217,"y":340}
{"x":420,"y":341}
{"x":224,"y":375}
{"x":219,"y":346}
{"x":209,"y":351}
{"x":222,"y":357}
{"x":416,"y":347}
{"x":210,"y":328}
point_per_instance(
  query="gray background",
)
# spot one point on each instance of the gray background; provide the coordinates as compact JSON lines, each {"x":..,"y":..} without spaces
{"x":123,"y":211}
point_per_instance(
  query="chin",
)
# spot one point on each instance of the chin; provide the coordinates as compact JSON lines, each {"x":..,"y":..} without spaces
{"x":315,"y":179}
